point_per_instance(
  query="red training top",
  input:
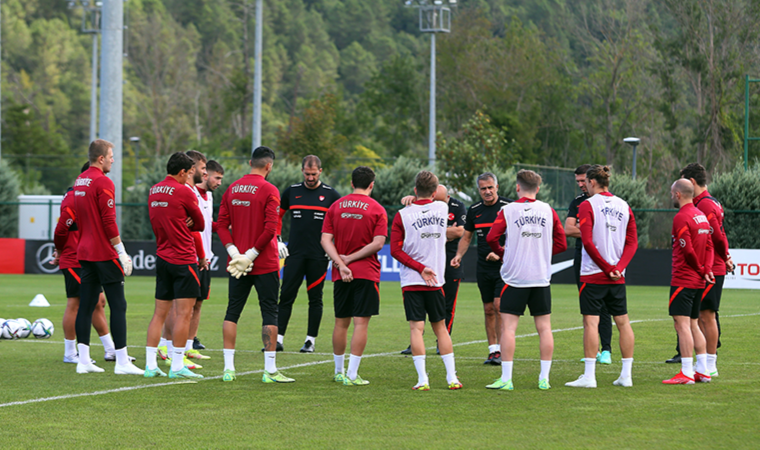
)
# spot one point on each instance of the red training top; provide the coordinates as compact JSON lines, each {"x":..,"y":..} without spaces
{"x":66,"y":236}
{"x":96,"y":216}
{"x":170,"y":203}
{"x":252,"y":206}
{"x":586,"y":222}
{"x":692,"y":248}
{"x":714,"y":213}
{"x":354,"y":221}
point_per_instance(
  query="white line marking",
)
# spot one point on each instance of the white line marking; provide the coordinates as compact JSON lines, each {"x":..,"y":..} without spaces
{"x":313,"y":363}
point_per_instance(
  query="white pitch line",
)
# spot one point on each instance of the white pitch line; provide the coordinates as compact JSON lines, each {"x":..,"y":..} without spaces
{"x":295,"y":366}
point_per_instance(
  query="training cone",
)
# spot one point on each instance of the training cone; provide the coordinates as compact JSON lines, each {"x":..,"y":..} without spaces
{"x":39,"y":300}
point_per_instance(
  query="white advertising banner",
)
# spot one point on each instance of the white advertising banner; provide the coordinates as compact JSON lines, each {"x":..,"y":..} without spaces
{"x":747,"y":272}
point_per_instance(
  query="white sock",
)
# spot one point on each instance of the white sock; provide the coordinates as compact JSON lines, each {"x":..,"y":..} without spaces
{"x":178,"y":359}
{"x":169,"y":348}
{"x":69,"y":347}
{"x":189,"y":345}
{"x":122,"y":358}
{"x":229,"y":359}
{"x":590,"y":372}
{"x":353,"y":366}
{"x":162,"y":342}
{"x":311,"y":339}
{"x":451,"y":370}
{"x":627,"y":365}
{"x":546,"y":367}
{"x":702,"y":364}
{"x":506,"y":370}
{"x":107,"y":341}
{"x":419,"y":364}
{"x":280,"y":338}
{"x":270,"y":362}
{"x":712,"y":363}
{"x":498,"y":348}
{"x":687,"y":366}
{"x":339,"y":361}
{"x":84,"y":354}
{"x":492,"y":348}
{"x":150,"y":358}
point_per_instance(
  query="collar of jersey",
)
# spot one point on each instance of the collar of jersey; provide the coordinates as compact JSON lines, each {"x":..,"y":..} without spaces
{"x":525,"y":200}
{"x":700,"y":196}
{"x":423,"y":201}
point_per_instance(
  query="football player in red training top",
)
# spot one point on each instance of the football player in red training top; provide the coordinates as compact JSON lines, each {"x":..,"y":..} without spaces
{"x":533,"y":234}
{"x":354,"y":231}
{"x":692,"y":267}
{"x":418,"y":242}
{"x":608,"y":232}
{"x":66,"y":242}
{"x":171,"y":203}
{"x":251,"y":206}
{"x":103,"y":258}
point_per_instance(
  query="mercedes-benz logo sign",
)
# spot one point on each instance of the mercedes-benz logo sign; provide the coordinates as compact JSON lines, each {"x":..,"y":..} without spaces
{"x":44,"y":257}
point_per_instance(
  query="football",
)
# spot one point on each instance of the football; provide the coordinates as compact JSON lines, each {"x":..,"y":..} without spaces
{"x":10,"y":329}
{"x":25,"y":328}
{"x":2,"y":322}
{"x":42,"y":328}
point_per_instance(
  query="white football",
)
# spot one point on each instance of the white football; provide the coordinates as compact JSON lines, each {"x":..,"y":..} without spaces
{"x":42,"y":328}
{"x":25,"y":328}
{"x":10,"y":329}
{"x":2,"y":322}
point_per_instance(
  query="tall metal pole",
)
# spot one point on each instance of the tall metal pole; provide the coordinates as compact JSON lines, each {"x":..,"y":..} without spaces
{"x":1,"y":83}
{"x":746,"y":121}
{"x":111,"y":88}
{"x":634,"y":162}
{"x":257,"y":75}
{"x":94,"y":90}
{"x":431,"y":136}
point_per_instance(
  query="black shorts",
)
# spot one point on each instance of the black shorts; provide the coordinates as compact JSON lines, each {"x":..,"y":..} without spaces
{"x":490,"y":285}
{"x":711,"y":295}
{"x":73,"y":280}
{"x":418,"y":304}
{"x":102,"y":272}
{"x":176,"y":280}
{"x":359,"y":298}
{"x":538,"y":299}
{"x":594,"y":296}
{"x":205,"y":277}
{"x":267,"y":285}
{"x":684,"y":302}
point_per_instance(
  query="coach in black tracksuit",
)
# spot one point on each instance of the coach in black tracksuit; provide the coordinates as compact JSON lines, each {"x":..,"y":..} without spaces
{"x":308,"y":203}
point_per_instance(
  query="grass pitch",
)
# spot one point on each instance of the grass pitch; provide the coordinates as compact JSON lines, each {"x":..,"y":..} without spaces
{"x":44,"y":403}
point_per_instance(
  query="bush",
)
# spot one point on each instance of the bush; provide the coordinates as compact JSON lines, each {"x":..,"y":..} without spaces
{"x":737,"y":191}
{"x":9,"y":192}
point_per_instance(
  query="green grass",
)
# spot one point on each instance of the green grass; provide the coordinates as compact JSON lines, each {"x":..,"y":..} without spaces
{"x":314,"y":412}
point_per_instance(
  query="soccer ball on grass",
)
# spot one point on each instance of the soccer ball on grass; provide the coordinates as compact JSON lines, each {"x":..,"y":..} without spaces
{"x":42,"y":328}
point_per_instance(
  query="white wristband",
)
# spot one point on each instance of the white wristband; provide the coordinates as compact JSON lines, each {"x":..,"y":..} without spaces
{"x":252,"y":253}
{"x":233,"y":251}
{"x":119,"y":248}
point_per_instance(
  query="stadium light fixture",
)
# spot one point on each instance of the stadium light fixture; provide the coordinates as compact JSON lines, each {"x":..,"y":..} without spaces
{"x":434,"y":17}
{"x":633,"y":141}
{"x":136,"y":143}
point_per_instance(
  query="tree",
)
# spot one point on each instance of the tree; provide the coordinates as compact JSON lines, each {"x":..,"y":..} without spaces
{"x":9,"y":192}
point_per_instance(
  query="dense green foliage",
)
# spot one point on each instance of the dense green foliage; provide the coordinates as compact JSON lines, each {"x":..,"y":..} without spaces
{"x":739,"y":193}
{"x":9,"y":184}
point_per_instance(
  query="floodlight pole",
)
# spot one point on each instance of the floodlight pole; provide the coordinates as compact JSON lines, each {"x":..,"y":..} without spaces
{"x":94,"y":90}
{"x":431,"y":135}
{"x":111,"y":94}
{"x":256,"y":130}
{"x":633,"y":141}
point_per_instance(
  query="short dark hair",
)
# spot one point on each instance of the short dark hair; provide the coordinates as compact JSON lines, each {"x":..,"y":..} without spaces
{"x":196,"y":156}
{"x":528,"y":180}
{"x":696,"y":171}
{"x":426,"y":183}
{"x":311,"y":160}
{"x":599,"y":173}
{"x":213,"y":166}
{"x":98,"y":148}
{"x":362,"y":177}
{"x":487,"y":175}
{"x":582,"y":169}
{"x":177,"y":162}
{"x":85,"y":166}
{"x":261,"y":156}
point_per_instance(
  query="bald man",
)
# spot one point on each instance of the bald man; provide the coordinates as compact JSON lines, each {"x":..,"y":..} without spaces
{"x":692,"y":268}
